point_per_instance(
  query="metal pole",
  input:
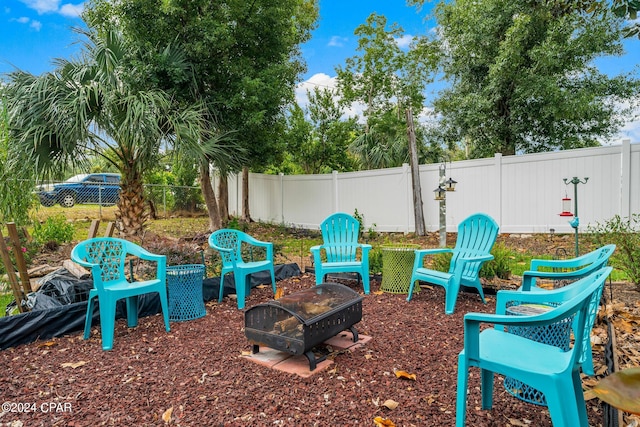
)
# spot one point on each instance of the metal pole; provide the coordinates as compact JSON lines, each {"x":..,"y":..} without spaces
{"x":443,"y":211}
{"x":575,"y":222}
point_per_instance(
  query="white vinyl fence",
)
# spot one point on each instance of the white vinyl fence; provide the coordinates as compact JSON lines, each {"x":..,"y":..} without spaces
{"x":522,"y":193}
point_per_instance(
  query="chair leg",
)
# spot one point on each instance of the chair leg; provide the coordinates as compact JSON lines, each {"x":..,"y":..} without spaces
{"x":365,"y":282}
{"x":411,"y":286}
{"x":587,"y":364}
{"x":319,"y":275}
{"x":478,"y":285}
{"x":273,"y":279}
{"x":221,"y":291}
{"x":132,"y":311}
{"x":486,"y":388}
{"x":107,"y":322}
{"x":563,"y":409}
{"x":450,"y":297}
{"x":579,"y":399}
{"x":165,"y":310}
{"x":88,"y":318}
{"x":241,"y":287}
{"x":461,"y":398}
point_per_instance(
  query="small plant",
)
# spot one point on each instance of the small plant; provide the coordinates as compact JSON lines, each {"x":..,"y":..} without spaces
{"x":375,"y":261}
{"x":499,"y":266}
{"x":625,"y":234}
{"x":371,"y":231}
{"x":441,"y":261}
{"x":53,"y":229}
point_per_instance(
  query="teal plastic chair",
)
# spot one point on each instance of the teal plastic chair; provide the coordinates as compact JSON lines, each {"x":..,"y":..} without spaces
{"x":552,"y":370}
{"x":340,"y":248}
{"x":569,"y":270}
{"x":234,"y":247}
{"x":105,"y":257}
{"x":565,"y":269}
{"x":476,"y":236}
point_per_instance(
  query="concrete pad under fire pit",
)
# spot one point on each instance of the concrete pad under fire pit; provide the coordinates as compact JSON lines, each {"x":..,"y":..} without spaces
{"x":299,"y":365}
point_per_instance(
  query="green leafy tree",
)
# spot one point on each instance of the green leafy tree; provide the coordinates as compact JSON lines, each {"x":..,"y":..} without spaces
{"x":89,"y":107}
{"x":245,"y":57}
{"x":15,"y":177}
{"x":320,"y":143}
{"x":523,"y":78}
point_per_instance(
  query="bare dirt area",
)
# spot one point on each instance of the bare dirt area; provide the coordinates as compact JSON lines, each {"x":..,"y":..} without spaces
{"x":197,"y":374}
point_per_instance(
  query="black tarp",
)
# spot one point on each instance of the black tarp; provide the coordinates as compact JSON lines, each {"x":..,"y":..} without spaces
{"x":64,"y":319}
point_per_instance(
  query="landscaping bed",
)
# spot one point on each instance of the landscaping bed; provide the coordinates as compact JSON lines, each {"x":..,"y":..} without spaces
{"x":196,"y":374}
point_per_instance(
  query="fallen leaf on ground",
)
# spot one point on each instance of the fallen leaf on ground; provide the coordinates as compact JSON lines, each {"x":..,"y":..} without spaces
{"x":166,"y":417}
{"x":391,"y":404}
{"x":404,"y":374}
{"x":383,"y":422}
{"x":73,"y":365}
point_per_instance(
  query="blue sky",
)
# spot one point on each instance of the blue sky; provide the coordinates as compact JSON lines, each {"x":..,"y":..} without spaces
{"x":34,"y":32}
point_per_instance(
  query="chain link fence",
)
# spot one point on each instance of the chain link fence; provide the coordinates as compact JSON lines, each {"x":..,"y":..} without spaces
{"x":101,"y":192}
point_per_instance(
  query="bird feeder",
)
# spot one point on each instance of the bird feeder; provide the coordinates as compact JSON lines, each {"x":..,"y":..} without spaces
{"x":439,"y":193}
{"x":566,"y":207}
{"x":450,"y":184}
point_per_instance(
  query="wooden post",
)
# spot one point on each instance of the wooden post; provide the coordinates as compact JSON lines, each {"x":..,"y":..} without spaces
{"x":17,"y":252}
{"x":93,"y":229}
{"x":111,"y":226}
{"x":11,"y":274}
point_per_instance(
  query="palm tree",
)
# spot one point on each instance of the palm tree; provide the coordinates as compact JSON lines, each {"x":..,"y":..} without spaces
{"x":94,"y":106}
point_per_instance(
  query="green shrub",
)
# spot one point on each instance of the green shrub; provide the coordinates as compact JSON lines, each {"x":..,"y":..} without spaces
{"x":375,"y":261}
{"x":499,"y":266}
{"x":441,"y":261}
{"x":625,"y":234}
{"x":53,"y":229}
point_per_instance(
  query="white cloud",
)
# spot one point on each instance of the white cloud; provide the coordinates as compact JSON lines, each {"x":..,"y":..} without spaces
{"x":36,"y":25}
{"x":324,"y":81}
{"x":337,"y":41}
{"x":404,"y":41}
{"x":23,"y":20}
{"x":42,"y":6}
{"x":71,"y":10}
{"x":317,"y":80}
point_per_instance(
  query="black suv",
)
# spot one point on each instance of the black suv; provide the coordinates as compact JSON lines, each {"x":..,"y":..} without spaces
{"x":100,"y":188}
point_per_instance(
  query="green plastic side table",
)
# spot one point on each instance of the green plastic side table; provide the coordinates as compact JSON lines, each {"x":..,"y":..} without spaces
{"x":397,"y":266}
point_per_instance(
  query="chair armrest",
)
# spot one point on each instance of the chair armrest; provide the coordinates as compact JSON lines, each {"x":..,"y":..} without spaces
{"x":557,"y":296}
{"x":472,"y":322}
{"x":220,"y":249}
{"x":529,"y":276}
{"x":421,"y":253}
{"x":260,"y":244}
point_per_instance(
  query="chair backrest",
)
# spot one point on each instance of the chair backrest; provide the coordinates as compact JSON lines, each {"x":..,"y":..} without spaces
{"x":476,"y":236}
{"x":109,"y":253}
{"x":587,"y":300}
{"x":228,"y":238}
{"x":340,"y":232}
{"x":586,"y":264}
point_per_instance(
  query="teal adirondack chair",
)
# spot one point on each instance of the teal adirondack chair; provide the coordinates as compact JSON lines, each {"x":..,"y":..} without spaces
{"x":105,"y":257}
{"x":552,"y":370}
{"x":570,"y":270}
{"x":340,"y":247}
{"x":476,"y":236}
{"x":230,"y":244}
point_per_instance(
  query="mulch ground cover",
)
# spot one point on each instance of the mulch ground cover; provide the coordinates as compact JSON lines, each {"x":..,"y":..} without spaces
{"x":197,"y":375}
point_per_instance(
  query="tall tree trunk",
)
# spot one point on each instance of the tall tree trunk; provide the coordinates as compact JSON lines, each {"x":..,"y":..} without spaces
{"x":223,"y":199}
{"x":131,"y":215}
{"x":246,"y":213}
{"x":209,"y":198}
{"x":415,"y":176}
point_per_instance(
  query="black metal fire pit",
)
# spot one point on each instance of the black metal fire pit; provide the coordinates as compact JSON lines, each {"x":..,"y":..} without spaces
{"x":298,"y":322}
